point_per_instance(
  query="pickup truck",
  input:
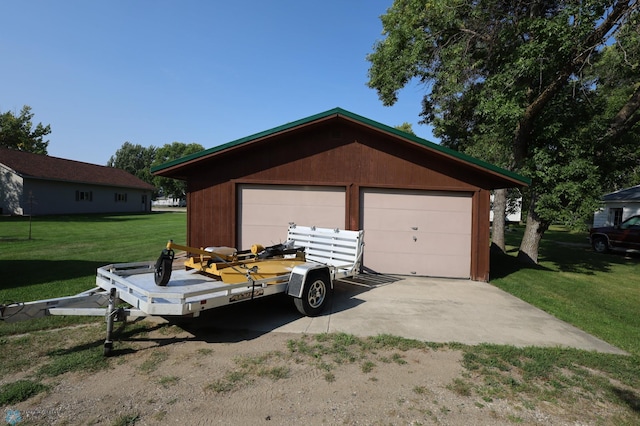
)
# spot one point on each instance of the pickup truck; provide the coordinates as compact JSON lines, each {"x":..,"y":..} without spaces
{"x":625,"y":236}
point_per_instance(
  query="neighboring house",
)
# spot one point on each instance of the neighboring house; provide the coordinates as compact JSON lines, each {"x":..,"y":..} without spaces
{"x":617,"y":207}
{"x":424,"y":208}
{"x":35,"y":184}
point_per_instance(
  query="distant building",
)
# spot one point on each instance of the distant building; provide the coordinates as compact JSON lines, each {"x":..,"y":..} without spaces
{"x":514,"y":210}
{"x":618,"y":206}
{"x":35,"y":184}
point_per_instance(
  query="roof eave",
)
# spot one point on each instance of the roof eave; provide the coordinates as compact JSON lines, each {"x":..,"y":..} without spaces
{"x":172,"y":166}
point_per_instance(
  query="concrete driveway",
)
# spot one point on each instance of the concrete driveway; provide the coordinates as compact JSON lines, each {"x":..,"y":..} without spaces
{"x":426,"y":309}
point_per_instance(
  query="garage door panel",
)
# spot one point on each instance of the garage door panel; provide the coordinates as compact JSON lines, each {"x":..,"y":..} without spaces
{"x":291,"y":197}
{"x":405,"y":220}
{"x":274,"y":215}
{"x":426,"y":244}
{"x":438,"y":265}
{"x":265,"y":211}
{"x":417,"y":232}
{"x":449,"y":201}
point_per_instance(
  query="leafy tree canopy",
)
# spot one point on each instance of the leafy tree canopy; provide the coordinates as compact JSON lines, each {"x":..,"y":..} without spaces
{"x":169,"y":152}
{"x":17,"y":132}
{"x":406,"y":127}
{"x":135,"y":159}
{"x":550,"y":89}
{"x":138,"y":161}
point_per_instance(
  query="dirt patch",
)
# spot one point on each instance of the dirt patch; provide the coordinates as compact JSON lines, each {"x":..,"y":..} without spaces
{"x":170,"y":376}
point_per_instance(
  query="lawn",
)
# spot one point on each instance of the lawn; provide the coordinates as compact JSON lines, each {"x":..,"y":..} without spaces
{"x":599,"y":293}
{"x":64,"y":252}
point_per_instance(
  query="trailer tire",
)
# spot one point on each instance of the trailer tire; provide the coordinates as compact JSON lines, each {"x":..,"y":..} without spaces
{"x":163,"y":268}
{"x":315,"y":294}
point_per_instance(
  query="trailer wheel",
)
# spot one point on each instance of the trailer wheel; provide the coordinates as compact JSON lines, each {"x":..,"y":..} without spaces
{"x":163,"y":268}
{"x":315,"y":295}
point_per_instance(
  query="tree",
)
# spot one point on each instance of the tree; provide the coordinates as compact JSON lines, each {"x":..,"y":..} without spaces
{"x":135,"y":159}
{"x":406,"y":127}
{"x":17,"y":132}
{"x":516,"y":82}
{"x":169,"y":152}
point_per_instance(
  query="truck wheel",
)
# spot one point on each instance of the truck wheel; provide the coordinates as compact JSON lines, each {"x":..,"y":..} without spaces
{"x":315,"y":295}
{"x":600,"y":245}
{"x":163,"y":267}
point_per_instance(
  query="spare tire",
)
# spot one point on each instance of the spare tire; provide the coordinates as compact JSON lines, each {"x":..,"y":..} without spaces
{"x":163,"y":268}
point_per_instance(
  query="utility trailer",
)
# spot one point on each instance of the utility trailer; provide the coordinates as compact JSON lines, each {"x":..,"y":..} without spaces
{"x":304,"y":267}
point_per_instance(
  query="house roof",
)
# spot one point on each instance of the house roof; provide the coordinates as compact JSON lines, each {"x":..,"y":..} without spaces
{"x":38,"y":166}
{"x":627,"y":194}
{"x":334,"y":113}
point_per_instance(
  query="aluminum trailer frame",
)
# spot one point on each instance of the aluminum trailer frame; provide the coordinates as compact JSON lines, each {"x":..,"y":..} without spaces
{"x":330,"y":254}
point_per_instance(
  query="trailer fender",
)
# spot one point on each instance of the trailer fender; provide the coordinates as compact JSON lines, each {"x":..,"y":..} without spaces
{"x":299,"y":276}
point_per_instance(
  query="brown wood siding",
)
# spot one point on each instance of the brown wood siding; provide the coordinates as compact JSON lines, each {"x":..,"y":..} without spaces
{"x":480,"y":236}
{"x":335,"y":153}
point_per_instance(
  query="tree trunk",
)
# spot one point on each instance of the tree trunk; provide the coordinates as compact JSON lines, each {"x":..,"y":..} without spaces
{"x":499,"y":217}
{"x":533,"y":232}
{"x":625,"y":118}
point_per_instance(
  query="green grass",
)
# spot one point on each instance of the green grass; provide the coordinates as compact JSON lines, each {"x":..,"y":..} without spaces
{"x":19,"y":391}
{"x":64,"y":252}
{"x":598,"y":293}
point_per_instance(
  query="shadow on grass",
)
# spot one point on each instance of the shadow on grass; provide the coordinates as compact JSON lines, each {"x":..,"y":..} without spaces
{"x":581,"y":258}
{"x":628,"y":397}
{"x":125,"y":331}
{"x":505,"y":264}
{"x":20,"y":273}
{"x":560,"y":257}
{"x":226,"y":324}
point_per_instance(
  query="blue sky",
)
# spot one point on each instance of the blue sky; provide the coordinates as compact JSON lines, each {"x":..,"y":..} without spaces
{"x":154,"y":72}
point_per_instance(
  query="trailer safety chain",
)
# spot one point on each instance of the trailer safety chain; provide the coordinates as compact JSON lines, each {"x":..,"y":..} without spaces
{"x":250,"y":279}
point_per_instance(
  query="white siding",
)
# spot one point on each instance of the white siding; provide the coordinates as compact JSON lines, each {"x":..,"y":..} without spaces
{"x":604,"y":217}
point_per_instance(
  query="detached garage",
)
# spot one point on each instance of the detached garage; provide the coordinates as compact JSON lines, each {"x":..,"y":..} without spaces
{"x":424,"y":208}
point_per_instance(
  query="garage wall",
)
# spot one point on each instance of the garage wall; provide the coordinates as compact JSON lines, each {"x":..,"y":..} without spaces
{"x":332,"y":154}
{"x":265,"y":211}
{"x":417,"y":232}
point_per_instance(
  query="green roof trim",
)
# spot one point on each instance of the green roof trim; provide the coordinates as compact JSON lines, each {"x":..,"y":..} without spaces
{"x":339,"y":111}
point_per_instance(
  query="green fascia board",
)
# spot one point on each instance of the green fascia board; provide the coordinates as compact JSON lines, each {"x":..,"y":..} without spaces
{"x":339,"y":111}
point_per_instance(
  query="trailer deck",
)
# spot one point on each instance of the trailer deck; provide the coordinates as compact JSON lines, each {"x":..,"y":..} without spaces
{"x":188,"y":293}
{"x":329,"y":254}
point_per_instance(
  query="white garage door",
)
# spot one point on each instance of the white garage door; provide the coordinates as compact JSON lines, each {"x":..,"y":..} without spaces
{"x":265,"y":211}
{"x":417,"y":232}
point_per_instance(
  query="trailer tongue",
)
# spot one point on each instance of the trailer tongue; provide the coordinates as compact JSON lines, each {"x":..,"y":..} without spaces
{"x":304,"y":267}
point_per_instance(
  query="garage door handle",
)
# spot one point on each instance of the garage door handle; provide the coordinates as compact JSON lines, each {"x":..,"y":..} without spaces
{"x":415,"y":228}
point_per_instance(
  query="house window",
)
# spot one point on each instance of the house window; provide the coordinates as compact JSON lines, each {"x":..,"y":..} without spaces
{"x":120,"y":198}
{"x":84,"y":195}
{"x":144,"y":199}
{"x":615,"y":216}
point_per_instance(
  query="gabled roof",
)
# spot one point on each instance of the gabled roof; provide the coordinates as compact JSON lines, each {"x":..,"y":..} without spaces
{"x":339,"y":112}
{"x":38,"y":166}
{"x":627,"y":194}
